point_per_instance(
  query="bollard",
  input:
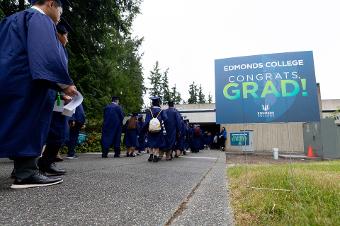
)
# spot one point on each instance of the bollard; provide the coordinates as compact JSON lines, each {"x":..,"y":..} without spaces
{"x":276,"y":153}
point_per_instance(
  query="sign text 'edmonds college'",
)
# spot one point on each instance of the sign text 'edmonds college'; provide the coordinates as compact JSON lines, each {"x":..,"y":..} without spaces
{"x":266,"y":88}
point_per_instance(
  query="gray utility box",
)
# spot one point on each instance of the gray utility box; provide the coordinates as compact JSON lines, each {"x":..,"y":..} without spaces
{"x":242,"y":140}
{"x":324,"y":137}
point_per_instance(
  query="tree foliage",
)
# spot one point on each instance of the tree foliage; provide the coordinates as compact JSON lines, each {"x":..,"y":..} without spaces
{"x":210,"y":100}
{"x":196,"y":95}
{"x":165,"y":86}
{"x":156,"y":79}
{"x":193,"y":94}
{"x":175,"y":95}
{"x":159,"y":81}
{"x":201,"y":96}
{"x":104,"y":57}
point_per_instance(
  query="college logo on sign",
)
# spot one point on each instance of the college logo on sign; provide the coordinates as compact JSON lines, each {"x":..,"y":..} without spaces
{"x":265,"y":113}
{"x":265,"y":107}
{"x":266,"y":88}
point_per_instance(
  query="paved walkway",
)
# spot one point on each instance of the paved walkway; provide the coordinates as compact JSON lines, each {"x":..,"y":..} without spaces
{"x":128,"y":191}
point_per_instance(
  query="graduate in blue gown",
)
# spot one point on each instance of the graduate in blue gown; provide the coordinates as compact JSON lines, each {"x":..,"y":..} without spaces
{"x":173,"y":127}
{"x":156,"y":139}
{"x":180,"y":143}
{"x":32,"y":62}
{"x":131,"y":134}
{"x":196,"y":144}
{"x":57,"y":132}
{"x":112,"y":128}
{"x":187,"y":135}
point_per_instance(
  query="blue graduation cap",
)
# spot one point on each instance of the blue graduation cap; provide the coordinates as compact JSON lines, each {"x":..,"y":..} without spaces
{"x":115,"y":98}
{"x":155,"y":100}
{"x":63,"y":27}
{"x":135,"y":114}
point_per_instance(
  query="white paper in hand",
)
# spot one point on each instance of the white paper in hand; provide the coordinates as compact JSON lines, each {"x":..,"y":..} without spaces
{"x":70,"y":108}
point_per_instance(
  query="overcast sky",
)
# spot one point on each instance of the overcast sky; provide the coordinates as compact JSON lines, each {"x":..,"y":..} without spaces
{"x":188,"y":35}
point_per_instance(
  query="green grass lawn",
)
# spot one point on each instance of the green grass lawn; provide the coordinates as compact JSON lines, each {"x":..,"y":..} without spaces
{"x":313,"y":199}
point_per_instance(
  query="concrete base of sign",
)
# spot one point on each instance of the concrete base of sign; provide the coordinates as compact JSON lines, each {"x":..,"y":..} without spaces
{"x":298,"y":157}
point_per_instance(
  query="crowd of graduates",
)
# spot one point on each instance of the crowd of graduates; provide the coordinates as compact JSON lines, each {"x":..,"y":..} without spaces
{"x":162,"y":132}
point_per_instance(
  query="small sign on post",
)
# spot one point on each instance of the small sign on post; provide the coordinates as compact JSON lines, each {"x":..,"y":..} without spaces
{"x":242,"y":140}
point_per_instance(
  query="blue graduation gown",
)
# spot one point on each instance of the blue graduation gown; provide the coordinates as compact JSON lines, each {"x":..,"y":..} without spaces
{"x":156,"y":140}
{"x":58,"y":128}
{"x":197,"y":141}
{"x":32,"y":60}
{"x":131,"y":138}
{"x":172,"y":127}
{"x":57,"y":132}
{"x":112,"y":126}
{"x":79,"y":115}
{"x":141,"y":137}
{"x":180,"y":145}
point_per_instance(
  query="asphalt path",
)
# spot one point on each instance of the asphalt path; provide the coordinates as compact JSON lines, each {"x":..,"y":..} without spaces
{"x":190,"y":190}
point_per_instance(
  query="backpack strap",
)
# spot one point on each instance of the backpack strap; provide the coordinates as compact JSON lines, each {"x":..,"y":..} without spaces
{"x":151,"y":113}
{"x":157,"y":114}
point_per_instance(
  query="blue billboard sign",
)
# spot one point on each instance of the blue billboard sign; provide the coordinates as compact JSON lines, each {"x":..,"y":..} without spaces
{"x":266,"y":88}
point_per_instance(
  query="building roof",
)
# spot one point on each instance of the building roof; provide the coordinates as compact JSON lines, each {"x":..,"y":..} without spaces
{"x":330,"y":105}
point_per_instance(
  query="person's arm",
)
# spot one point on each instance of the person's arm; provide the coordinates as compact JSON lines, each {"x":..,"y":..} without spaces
{"x":178,"y":123}
{"x":121,"y":115}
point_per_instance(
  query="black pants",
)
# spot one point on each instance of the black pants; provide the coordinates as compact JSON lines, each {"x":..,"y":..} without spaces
{"x":25,"y":167}
{"x":49,"y":155}
{"x":73,"y":139}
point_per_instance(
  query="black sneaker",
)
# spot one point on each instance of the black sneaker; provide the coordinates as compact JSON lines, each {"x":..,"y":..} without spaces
{"x":156,"y":159}
{"x":37,"y":180}
{"x":116,"y":156}
{"x":150,"y":158}
{"x":52,"y":170}
{"x":104,"y":156}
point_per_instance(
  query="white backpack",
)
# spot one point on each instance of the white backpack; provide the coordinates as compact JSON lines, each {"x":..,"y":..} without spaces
{"x":155,"y":124}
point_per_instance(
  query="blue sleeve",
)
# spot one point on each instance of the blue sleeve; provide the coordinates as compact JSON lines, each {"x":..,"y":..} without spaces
{"x":121,"y":115}
{"x":164,"y":116}
{"x":47,"y":59}
{"x":107,"y":116}
{"x":178,"y":121}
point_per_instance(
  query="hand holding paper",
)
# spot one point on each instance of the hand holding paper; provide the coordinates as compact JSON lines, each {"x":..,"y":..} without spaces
{"x":70,"y":108}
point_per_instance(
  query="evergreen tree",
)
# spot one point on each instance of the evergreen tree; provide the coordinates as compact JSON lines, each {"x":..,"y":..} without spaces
{"x":156,"y":81}
{"x":201,"y":96}
{"x":175,"y":95}
{"x":210,"y":98}
{"x":193,"y":94}
{"x":165,"y":87}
